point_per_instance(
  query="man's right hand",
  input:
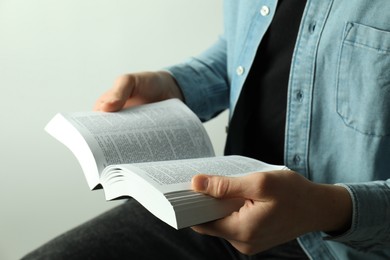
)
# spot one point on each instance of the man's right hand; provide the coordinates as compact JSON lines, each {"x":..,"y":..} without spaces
{"x":137,"y":89}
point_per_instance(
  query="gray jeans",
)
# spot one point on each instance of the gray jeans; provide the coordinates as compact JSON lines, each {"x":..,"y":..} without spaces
{"x":130,"y":232}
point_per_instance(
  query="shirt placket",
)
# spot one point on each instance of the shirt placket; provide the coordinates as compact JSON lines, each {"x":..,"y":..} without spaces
{"x":301,"y":83}
{"x":264,"y":11}
{"x":299,"y":106}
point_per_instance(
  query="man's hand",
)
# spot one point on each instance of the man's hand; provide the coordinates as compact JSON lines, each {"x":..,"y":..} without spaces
{"x":137,"y":89}
{"x":279,"y":207}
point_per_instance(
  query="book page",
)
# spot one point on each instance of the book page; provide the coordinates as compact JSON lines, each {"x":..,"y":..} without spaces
{"x":166,"y":130}
{"x":176,"y":175}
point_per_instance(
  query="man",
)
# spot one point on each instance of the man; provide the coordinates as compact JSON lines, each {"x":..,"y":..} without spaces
{"x":307,"y":85}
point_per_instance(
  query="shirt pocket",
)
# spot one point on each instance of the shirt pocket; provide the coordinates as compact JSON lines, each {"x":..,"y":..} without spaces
{"x":363,"y":81}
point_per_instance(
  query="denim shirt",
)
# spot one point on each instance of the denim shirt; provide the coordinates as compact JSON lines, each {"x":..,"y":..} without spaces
{"x":338,"y":110}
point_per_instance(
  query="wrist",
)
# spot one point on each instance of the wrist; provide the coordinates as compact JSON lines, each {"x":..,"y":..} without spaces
{"x":171,"y":84}
{"x":334,"y":209}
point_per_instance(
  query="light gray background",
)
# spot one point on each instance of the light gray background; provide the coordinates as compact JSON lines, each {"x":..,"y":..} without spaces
{"x":60,"y":56}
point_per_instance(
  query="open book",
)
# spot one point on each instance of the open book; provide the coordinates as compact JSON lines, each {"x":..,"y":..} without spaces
{"x":150,"y":153}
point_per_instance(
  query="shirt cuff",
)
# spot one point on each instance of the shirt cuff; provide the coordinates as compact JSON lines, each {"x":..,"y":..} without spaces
{"x":371,"y":216}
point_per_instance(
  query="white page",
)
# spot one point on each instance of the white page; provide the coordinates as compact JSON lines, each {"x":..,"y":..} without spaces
{"x":164,"y":130}
{"x":175,"y":175}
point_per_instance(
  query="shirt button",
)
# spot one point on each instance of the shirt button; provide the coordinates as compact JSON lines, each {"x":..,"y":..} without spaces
{"x":297,"y":159}
{"x":240,"y":70}
{"x":264,"y":11}
{"x":312,"y":27}
{"x":299,"y":95}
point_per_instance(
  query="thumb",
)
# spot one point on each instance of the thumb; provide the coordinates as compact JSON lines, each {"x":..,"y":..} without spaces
{"x":218,"y":186}
{"x":116,"y":97}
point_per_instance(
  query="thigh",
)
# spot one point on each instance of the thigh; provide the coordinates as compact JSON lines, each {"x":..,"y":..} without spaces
{"x":131,"y":232}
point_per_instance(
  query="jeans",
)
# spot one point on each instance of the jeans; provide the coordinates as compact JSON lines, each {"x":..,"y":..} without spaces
{"x":129,"y":231}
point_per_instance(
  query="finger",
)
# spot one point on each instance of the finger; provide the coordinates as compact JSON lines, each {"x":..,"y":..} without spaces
{"x":223,"y":187}
{"x":218,"y":229}
{"x":108,"y":105}
{"x":116,"y":98}
{"x":109,"y":102}
{"x":224,"y":228}
{"x":233,"y":229}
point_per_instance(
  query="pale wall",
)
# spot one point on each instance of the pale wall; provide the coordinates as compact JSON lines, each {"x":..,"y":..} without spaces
{"x":60,"y":56}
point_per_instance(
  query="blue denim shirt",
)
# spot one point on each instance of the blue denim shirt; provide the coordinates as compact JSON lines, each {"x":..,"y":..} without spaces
{"x":338,"y":111}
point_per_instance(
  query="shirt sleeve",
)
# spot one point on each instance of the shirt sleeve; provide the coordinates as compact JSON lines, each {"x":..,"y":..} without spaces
{"x":371,"y":216}
{"x":203,"y":81}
